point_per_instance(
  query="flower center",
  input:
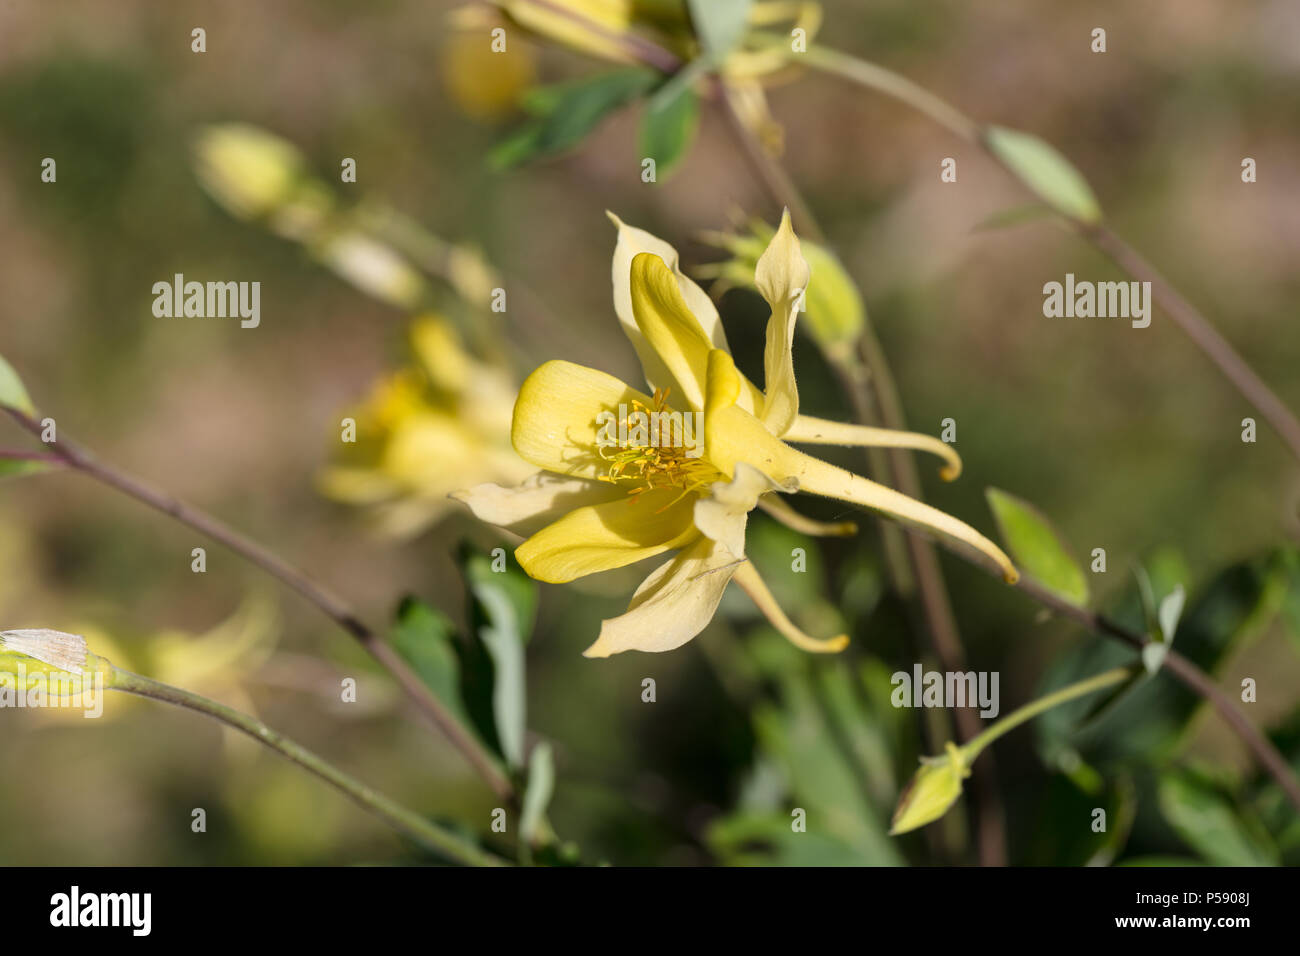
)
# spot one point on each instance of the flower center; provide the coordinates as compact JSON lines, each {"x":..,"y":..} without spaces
{"x":657,"y":447}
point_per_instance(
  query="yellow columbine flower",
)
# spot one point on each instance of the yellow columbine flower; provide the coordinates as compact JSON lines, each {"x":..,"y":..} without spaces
{"x":423,"y":430}
{"x":593,"y":509}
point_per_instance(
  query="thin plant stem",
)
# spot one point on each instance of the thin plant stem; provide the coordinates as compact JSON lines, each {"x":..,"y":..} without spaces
{"x":1031,"y":710}
{"x":426,"y":833}
{"x":80,"y":459}
{"x":1205,"y":336}
{"x":869,"y":383}
{"x":1191,"y":676}
{"x":1184,"y":315}
{"x":1190,"y":321}
{"x":770,"y":174}
{"x":11,"y":454}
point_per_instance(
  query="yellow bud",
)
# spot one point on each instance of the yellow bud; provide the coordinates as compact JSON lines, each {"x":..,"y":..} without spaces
{"x":833,"y":309}
{"x":835,"y":313}
{"x":483,"y":83}
{"x":39,"y":656}
{"x":932,"y":791}
{"x":247,"y":170}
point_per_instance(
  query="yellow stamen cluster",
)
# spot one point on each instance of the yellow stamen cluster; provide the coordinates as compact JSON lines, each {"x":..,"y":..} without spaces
{"x":656,"y":466}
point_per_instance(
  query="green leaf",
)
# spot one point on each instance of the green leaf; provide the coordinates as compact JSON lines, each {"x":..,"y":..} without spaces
{"x":12,"y":392}
{"x":1045,"y":171}
{"x":827,"y":749}
{"x":1146,"y":861}
{"x":502,"y":606}
{"x":537,"y":795}
{"x":1148,"y":723}
{"x":669,"y":125}
{"x":720,"y":25}
{"x":1062,"y":834}
{"x":1036,"y":548}
{"x":1171,"y":609}
{"x":1289,"y":571}
{"x":565,"y":113}
{"x":1153,"y":656}
{"x":1206,"y":820}
{"x":768,"y":838}
{"x":1274,"y":805}
{"x":426,"y":639}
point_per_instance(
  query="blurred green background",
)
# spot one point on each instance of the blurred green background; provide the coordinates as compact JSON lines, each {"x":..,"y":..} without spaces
{"x":1129,"y":440}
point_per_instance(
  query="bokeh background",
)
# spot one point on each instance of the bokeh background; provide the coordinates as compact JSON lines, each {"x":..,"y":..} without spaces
{"x":1128,"y":439}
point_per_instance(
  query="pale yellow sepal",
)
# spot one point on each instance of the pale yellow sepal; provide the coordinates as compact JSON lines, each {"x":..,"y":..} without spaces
{"x":672,"y":605}
{"x":723,"y":514}
{"x":535,"y":502}
{"x":631,"y":243}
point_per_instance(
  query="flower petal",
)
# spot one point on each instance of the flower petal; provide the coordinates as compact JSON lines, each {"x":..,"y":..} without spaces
{"x":555,"y":427}
{"x":748,"y":578}
{"x":819,"y":431}
{"x":536,"y":502}
{"x":631,"y":243}
{"x":670,"y":329}
{"x":590,"y":26}
{"x":732,"y":435}
{"x":672,"y":605}
{"x":782,"y":278}
{"x":723,"y":514}
{"x":609,"y":535}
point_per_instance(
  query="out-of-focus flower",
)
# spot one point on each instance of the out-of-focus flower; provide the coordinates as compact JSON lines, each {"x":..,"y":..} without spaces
{"x":601,"y":503}
{"x":425,"y":431}
{"x":609,"y":29}
{"x":595,"y":27}
{"x":440,"y":421}
{"x":483,"y":83}
{"x":260,"y":177}
{"x":668,"y":52}
{"x":218,"y":663}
